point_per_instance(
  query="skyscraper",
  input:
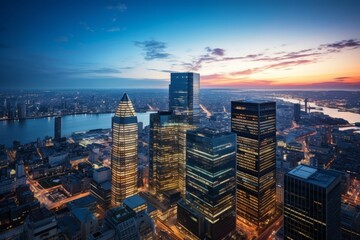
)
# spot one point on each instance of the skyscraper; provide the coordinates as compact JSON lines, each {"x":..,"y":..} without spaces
{"x":167,"y":146}
{"x":254,"y":122}
{"x":312,"y":204}
{"x":184,"y":91}
{"x":297,"y":112}
{"x":163,"y":153}
{"x":57,"y":134}
{"x":208,"y":210}
{"x":124,"y":157}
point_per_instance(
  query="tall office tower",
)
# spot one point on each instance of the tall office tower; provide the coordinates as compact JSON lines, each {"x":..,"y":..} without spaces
{"x":184,"y":92}
{"x":167,"y":146}
{"x":57,"y":134}
{"x":163,"y":153}
{"x":312,"y":204}
{"x":297,"y":112}
{"x":124,"y":157}
{"x":21,"y":110}
{"x":254,"y":122}
{"x":208,"y":210}
{"x":306,"y":105}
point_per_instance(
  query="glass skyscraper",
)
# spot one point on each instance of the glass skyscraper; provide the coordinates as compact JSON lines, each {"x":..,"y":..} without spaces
{"x":312,"y":204}
{"x":254,"y":123}
{"x":208,"y":210}
{"x":167,"y":152}
{"x":184,"y":92}
{"x":124,"y":157}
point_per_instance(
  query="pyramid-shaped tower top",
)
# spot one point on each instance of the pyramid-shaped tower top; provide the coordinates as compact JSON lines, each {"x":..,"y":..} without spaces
{"x":125,"y":98}
{"x":125,"y":108}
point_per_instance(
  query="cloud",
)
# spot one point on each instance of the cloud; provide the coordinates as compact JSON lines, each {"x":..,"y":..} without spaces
{"x":86,"y":26}
{"x":161,"y":70}
{"x":114,"y":29}
{"x":105,"y":70}
{"x":341,"y":79}
{"x":61,"y":39}
{"x":216,"y":51}
{"x":153,"y":49}
{"x":121,"y":7}
{"x":350,"y":43}
{"x":294,"y":58}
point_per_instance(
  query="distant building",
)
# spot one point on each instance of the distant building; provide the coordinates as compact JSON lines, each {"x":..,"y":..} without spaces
{"x":41,"y":224}
{"x":184,"y":93}
{"x":129,"y":225}
{"x":57,"y":134}
{"x":136,"y":203}
{"x":350,"y":222}
{"x":208,"y":210}
{"x":58,"y":159}
{"x":124,"y":157}
{"x":21,"y":111}
{"x":297,"y":112}
{"x":312,"y":204}
{"x":102,"y":193}
{"x":102,"y":174}
{"x":75,"y":183}
{"x":254,"y":123}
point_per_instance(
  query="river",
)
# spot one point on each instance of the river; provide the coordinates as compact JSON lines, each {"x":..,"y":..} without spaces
{"x":29,"y":130}
{"x":332,"y":112}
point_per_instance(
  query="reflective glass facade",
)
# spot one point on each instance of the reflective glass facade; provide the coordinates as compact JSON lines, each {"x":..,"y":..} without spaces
{"x":124,"y":158}
{"x":184,"y":92}
{"x":211,"y":181}
{"x":254,"y":123}
{"x":312,"y":204}
{"x":167,"y":153}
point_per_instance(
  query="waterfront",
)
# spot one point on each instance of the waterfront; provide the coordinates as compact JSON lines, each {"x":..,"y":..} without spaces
{"x":30,"y":129}
{"x":332,"y":112}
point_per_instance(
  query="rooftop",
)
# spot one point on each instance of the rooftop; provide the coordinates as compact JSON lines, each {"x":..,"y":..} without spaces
{"x":258,"y":101}
{"x":40,"y":214}
{"x":322,"y":178}
{"x":134,"y":201}
{"x":119,"y":214}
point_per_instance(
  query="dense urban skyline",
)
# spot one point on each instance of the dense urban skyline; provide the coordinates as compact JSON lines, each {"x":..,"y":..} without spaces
{"x":128,"y":44}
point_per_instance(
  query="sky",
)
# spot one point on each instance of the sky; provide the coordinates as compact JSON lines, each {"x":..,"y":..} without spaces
{"x":136,"y":44}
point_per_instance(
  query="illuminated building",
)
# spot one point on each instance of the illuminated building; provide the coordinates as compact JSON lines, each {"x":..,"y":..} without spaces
{"x":124,"y":158}
{"x":254,"y":122}
{"x":57,"y":134}
{"x":167,"y":153}
{"x":163,"y":153}
{"x":312,"y":204}
{"x":208,"y":210}
{"x":184,"y":91}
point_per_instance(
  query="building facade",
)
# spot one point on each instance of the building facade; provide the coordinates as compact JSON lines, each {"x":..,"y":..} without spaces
{"x":167,"y":145}
{"x":184,"y":92}
{"x":124,"y":157}
{"x":254,"y":123}
{"x":210,"y":184}
{"x":312,"y":204}
{"x":57,"y":128}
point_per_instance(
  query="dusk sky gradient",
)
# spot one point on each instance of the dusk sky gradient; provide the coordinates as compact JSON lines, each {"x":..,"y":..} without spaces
{"x":135,"y":44}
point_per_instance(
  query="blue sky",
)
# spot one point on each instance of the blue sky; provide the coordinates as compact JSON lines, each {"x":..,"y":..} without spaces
{"x":128,"y":44}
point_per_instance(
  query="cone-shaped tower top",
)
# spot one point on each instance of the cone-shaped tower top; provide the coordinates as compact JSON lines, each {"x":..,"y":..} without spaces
{"x":125,"y":108}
